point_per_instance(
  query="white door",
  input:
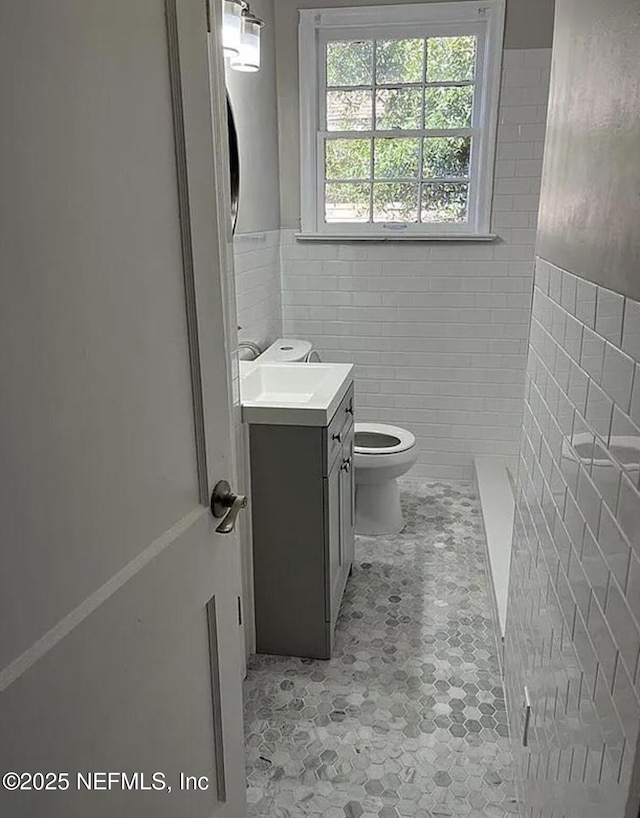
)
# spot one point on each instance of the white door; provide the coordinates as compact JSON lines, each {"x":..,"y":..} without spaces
{"x":119,"y":649}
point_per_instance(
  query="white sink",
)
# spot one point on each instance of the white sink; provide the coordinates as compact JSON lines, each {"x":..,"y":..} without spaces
{"x":294,"y":394}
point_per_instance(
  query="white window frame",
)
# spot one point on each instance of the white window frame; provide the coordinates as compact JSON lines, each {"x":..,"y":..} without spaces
{"x":317,"y":26}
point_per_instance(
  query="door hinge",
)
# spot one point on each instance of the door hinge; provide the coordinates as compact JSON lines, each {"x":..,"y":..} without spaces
{"x":207,"y":6}
{"x":239,"y":612}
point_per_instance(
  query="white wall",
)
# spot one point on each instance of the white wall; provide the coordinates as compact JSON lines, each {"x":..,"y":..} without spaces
{"x":438,"y":331}
{"x":256,"y":244}
{"x":255,"y":106}
{"x":258,"y":287}
{"x":573,"y":620}
{"x":257,"y":240}
{"x":529,"y":25}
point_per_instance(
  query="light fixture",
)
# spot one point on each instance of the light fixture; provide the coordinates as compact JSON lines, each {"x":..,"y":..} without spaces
{"x":231,"y":26}
{"x":248,"y":58}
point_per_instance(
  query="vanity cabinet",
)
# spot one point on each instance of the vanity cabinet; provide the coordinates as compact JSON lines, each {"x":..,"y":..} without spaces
{"x":303,"y":514}
{"x":340,"y":513}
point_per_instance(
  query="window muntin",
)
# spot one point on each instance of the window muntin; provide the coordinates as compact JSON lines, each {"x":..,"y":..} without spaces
{"x":402,"y":136}
{"x":401,"y":92}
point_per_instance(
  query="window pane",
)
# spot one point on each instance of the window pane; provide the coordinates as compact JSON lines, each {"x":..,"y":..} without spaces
{"x":398,"y":109}
{"x":450,"y":59}
{"x":350,"y":63}
{"x":449,"y":107}
{"x":395,"y":202}
{"x":349,"y":110}
{"x":399,"y":61}
{"x":444,"y":202}
{"x":347,"y":202}
{"x":396,"y":158}
{"x":348,"y":159}
{"x":446,"y":156}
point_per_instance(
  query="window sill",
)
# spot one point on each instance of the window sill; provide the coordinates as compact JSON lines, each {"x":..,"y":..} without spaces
{"x":456,"y":237}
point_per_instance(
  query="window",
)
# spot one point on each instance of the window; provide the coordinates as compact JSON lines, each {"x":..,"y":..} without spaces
{"x":398,"y":119}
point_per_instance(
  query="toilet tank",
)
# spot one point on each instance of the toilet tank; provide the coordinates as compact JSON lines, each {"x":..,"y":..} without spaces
{"x":286,"y":350}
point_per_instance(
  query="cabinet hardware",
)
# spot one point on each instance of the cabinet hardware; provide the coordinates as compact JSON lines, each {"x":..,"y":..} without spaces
{"x":337,"y":437}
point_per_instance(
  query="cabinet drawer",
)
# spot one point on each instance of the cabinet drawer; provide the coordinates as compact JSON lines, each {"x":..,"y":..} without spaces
{"x":337,"y":429}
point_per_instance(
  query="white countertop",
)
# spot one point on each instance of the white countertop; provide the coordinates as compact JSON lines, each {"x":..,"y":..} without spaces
{"x":292,"y":394}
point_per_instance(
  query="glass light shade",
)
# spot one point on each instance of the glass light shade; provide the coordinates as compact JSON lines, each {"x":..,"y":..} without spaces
{"x":248,"y":58}
{"x":231,"y":27}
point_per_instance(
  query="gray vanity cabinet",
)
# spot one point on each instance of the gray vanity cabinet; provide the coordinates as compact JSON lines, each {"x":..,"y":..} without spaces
{"x":302,"y":501}
{"x":339,"y":511}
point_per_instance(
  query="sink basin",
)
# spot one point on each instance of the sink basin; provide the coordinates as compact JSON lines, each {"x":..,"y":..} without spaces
{"x":285,"y":383}
{"x":298,"y":394}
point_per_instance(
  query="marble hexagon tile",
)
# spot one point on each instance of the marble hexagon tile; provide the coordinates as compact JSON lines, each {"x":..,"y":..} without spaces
{"x":408,"y":718}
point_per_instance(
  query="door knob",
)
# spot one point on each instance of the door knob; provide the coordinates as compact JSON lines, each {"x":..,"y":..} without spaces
{"x":226,"y":504}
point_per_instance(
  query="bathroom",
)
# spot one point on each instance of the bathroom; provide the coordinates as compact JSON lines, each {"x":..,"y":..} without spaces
{"x":509,"y":417}
{"x":321,"y":408}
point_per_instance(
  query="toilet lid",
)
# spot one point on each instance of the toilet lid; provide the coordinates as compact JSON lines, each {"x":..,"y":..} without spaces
{"x":380,"y":438}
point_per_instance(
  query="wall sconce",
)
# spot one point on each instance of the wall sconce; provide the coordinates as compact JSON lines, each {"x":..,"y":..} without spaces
{"x":249,"y":57}
{"x":231,"y":27}
{"x":241,"y":36}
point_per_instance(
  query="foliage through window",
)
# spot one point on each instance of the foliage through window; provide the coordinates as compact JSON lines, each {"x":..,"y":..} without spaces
{"x":401,"y":135}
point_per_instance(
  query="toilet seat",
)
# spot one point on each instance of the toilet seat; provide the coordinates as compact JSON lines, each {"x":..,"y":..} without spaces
{"x":382,"y":453}
{"x":404,"y":440}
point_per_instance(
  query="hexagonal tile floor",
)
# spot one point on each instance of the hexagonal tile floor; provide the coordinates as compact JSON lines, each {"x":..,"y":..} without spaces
{"x":408,"y":718}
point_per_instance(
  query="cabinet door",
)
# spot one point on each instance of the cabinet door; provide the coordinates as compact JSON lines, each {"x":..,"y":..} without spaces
{"x":347,"y":501}
{"x":333,"y":531}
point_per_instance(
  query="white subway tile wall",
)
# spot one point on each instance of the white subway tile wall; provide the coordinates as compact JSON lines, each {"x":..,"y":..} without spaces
{"x":258,"y":297}
{"x":573,"y":623}
{"x":438,"y":332}
{"x":258,"y":287}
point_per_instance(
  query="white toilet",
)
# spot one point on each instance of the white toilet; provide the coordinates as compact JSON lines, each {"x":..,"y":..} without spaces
{"x":382,"y":453}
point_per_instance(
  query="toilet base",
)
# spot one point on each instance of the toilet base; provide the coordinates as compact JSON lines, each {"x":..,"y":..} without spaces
{"x":378,"y":509}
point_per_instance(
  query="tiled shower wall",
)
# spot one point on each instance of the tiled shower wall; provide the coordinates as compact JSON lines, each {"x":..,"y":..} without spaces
{"x":573,"y":626}
{"x":438,"y":332}
{"x":258,"y":288}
